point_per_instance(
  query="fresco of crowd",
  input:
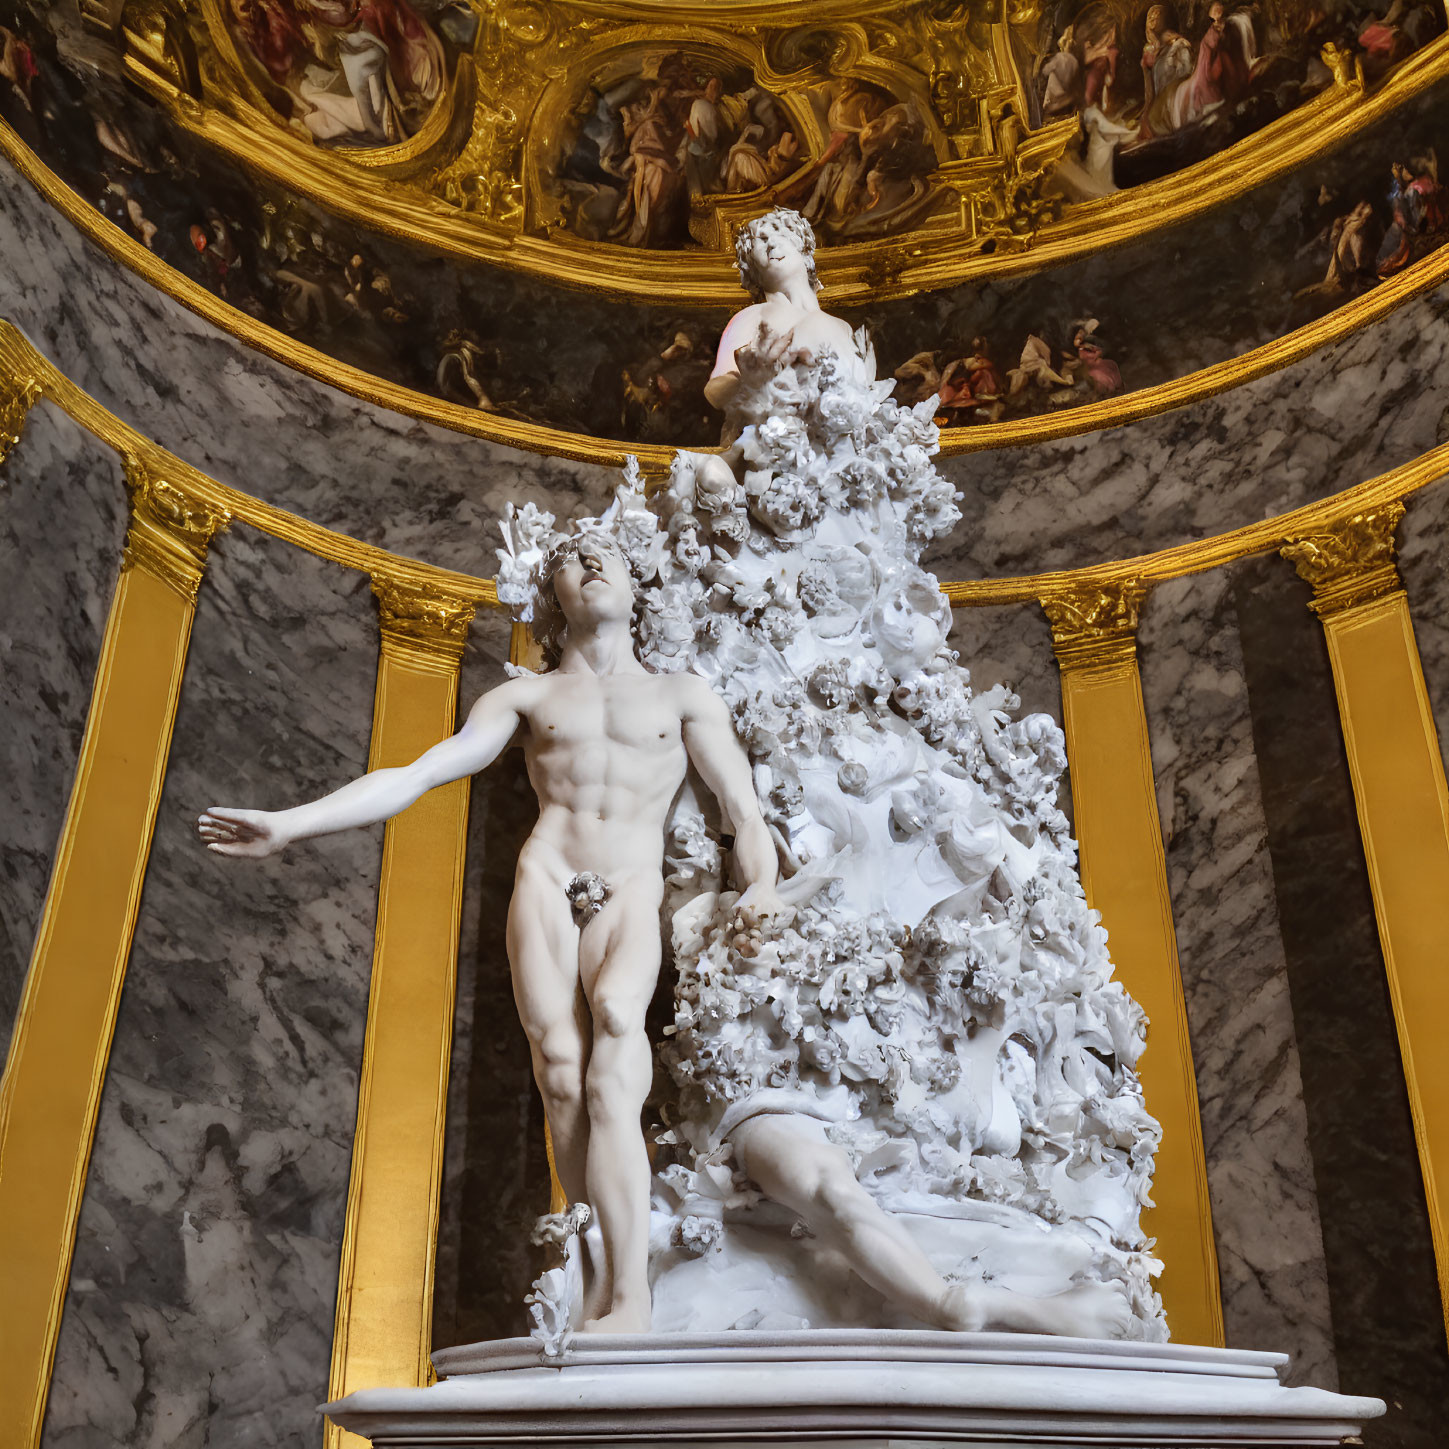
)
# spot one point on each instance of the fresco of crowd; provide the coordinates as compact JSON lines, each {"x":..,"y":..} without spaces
{"x":1160,"y":86}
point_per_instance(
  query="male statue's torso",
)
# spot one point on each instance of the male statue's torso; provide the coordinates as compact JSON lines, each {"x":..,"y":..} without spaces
{"x":606,"y":758}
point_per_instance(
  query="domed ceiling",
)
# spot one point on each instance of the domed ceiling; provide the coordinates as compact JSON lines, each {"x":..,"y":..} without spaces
{"x":518,"y":217}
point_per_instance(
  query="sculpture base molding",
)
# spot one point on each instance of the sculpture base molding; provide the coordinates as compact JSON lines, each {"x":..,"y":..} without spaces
{"x":855,"y":1389}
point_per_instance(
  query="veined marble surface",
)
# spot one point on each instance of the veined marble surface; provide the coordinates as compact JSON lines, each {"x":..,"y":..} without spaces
{"x":205,"y":1272}
{"x":1375,"y":1224}
{"x":1337,"y":417}
{"x":1375,"y":400}
{"x":62,"y":526}
{"x":1255,"y":1131}
{"x":256,"y":424}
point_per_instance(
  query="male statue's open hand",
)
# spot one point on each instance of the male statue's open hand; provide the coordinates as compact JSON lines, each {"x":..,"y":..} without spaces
{"x":251,"y":834}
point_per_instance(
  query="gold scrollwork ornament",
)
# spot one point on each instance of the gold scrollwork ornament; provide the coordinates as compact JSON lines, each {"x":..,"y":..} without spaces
{"x":1096,"y":623}
{"x":418,"y":618}
{"x":170,"y":528}
{"x":1351,"y":562}
{"x":17,"y":396}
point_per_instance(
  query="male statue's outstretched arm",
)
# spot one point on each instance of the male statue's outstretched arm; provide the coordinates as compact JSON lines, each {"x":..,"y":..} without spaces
{"x":380,"y":795}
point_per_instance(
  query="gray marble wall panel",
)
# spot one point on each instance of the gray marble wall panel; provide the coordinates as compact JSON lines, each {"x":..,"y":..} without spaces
{"x":1255,"y":1131}
{"x":62,"y":526}
{"x":202,"y":1293}
{"x":1349,"y":412}
{"x":1388,"y":1321}
{"x":1338,"y":416}
{"x":256,"y":424}
{"x":1424,"y":564}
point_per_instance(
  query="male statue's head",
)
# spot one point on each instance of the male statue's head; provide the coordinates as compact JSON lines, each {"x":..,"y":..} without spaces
{"x":583,"y":584}
{"x":775,"y":250}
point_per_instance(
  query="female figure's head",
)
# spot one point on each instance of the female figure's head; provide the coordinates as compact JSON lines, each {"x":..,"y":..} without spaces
{"x":774,"y":250}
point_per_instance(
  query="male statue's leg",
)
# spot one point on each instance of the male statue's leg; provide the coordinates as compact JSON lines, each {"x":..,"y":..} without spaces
{"x":543,"y":953}
{"x":619,"y":964}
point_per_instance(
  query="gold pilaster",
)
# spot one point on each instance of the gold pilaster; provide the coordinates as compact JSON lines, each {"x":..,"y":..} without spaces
{"x":51,"y":1089}
{"x":1124,"y":873}
{"x":1403,"y":807}
{"x":385,"y":1284}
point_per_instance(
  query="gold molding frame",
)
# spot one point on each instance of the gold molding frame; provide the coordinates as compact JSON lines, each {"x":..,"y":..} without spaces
{"x":19,"y":358}
{"x":51,"y":1090}
{"x":947,"y":250}
{"x":1423,"y":275}
{"x":1399,"y":790}
{"x":1124,"y":874}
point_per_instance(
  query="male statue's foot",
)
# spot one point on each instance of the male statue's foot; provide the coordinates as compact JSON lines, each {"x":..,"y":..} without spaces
{"x":1088,"y":1310}
{"x":622,"y":1319}
{"x":1091,"y":1310}
{"x":959,"y":1311}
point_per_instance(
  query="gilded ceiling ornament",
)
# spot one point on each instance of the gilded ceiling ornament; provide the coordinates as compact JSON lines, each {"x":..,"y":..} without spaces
{"x":974,"y":163}
{"x":1351,"y":562}
{"x":417,"y":618}
{"x":18,"y":394}
{"x":170,"y":528}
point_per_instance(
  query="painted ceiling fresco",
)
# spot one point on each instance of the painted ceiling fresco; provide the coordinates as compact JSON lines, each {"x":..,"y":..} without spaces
{"x":343,"y":72}
{"x":199,"y":133}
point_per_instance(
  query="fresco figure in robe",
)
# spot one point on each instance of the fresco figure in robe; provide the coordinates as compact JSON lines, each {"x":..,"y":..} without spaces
{"x":607,"y":744}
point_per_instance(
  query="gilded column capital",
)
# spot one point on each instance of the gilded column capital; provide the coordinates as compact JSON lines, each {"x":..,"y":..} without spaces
{"x":421,"y":621}
{"x":19,"y":392}
{"x":1351,"y":562}
{"x":170,"y":528}
{"x":1094,"y":626}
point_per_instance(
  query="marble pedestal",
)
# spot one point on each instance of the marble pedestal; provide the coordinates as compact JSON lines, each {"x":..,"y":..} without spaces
{"x":857,"y":1389}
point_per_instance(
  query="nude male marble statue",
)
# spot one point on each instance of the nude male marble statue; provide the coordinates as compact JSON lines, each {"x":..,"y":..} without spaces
{"x":606,"y":745}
